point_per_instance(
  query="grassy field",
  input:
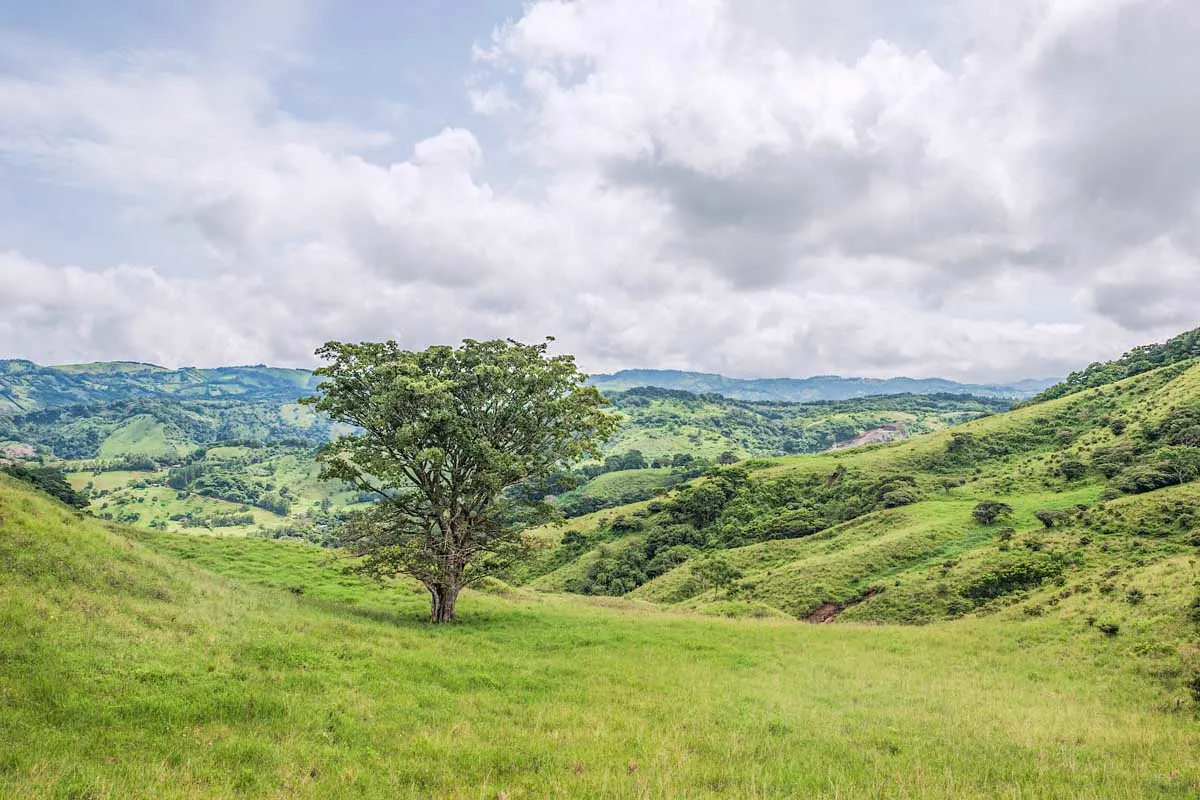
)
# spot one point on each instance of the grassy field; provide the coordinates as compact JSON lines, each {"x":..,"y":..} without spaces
{"x":137,"y":664}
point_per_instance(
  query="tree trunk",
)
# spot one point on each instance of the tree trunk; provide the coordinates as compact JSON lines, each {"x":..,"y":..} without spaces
{"x":445,"y":598}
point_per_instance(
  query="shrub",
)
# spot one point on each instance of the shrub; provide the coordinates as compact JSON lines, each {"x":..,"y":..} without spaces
{"x":1109,"y":628}
{"x":716,"y":572}
{"x":989,"y":511}
{"x":51,"y":481}
{"x":1072,"y":469}
{"x":1011,"y":578}
{"x":1050,"y":517}
{"x":625,"y":525}
{"x":899,"y":497}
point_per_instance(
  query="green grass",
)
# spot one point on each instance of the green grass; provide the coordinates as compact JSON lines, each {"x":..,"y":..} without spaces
{"x":140,"y":435}
{"x":147,"y":665}
{"x":622,"y":483}
{"x":918,"y":563}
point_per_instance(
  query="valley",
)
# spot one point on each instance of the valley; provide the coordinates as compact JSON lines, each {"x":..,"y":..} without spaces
{"x":1005,"y":603}
{"x":119,"y":430}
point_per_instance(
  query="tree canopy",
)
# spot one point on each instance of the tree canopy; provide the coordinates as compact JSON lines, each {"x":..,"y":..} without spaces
{"x":441,"y":434}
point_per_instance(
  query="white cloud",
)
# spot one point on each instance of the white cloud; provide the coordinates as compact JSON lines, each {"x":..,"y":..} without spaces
{"x":753,"y":188}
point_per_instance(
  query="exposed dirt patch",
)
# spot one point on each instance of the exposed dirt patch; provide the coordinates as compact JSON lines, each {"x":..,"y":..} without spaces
{"x":18,"y":451}
{"x":828,"y":612}
{"x":887,"y":433}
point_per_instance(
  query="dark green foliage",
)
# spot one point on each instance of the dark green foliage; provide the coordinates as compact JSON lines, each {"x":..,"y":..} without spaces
{"x":613,"y":574}
{"x":1014,"y":576}
{"x":1072,"y":468}
{"x":1138,"y":360}
{"x":776,"y":428}
{"x":77,"y":432}
{"x":441,"y":435}
{"x":668,"y":559}
{"x":49,"y":480}
{"x":632,"y":459}
{"x":225,"y":486}
{"x":1109,"y":461}
{"x":185,"y":476}
{"x":990,"y":511}
{"x":1180,"y":427}
{"x":622,"y":525}
{"x":216,"y":520}
{"x":716,"y":572}
{"x":1167,"y":466}
{"x":27,"y":387}
{"x":700,"y":505}
{"x":796,"y":506}
{"x":1052,"y":517}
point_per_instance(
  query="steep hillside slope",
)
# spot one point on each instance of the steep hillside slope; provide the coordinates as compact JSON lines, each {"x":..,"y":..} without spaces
{"x":1183,"y":347}
{"x":1101,"y":521}
{"x":137,"y":664}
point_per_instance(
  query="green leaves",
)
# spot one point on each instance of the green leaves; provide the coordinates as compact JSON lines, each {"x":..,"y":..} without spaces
{"x":442,"y":433}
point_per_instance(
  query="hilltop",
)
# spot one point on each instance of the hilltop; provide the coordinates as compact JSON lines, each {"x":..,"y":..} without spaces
{"x":1184,"y":347}
{"x":807,"y":390}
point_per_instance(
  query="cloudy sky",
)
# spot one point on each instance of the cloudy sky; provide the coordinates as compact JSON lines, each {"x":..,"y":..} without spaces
{"x":970,"y":189}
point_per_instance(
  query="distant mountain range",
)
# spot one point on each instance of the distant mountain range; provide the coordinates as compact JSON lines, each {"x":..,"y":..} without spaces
{"x":807,"y":390}
{"x":26,"y":387}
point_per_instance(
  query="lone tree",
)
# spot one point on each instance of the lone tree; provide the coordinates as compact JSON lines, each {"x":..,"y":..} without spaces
{"x":1050,"y":517}
{"x":989,"y":511}
{"x":441,"y":434}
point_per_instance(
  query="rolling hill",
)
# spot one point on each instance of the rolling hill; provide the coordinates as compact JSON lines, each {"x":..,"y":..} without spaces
{"x":140,"y":664}
{"x":1100,"y":487}
{"x":1008,"y":606}
{"x":245,"y":443}
{"x":27,"y":387}
{"x":806,"y":390}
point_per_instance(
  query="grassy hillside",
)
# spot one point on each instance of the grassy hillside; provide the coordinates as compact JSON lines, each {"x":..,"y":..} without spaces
{"x":137,"y":664}
{"x":1183,"y":347}
{"x":161,"y":428}
{"x":662,"y":422}
{"x":26,"y":387}
{"x":1103,"y":488}
{"x":156,"y":434}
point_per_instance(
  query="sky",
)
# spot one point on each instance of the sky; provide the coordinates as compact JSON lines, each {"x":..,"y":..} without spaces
{"x":958,"y":188}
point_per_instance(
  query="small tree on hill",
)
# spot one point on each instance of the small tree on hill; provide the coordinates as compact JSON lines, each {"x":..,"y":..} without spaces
{"x":716,"y":572}
{"x":1072,"y":469}
{"x":989,"y":511}
{"x":442,"y":433}
{"x":1049,"y":517}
